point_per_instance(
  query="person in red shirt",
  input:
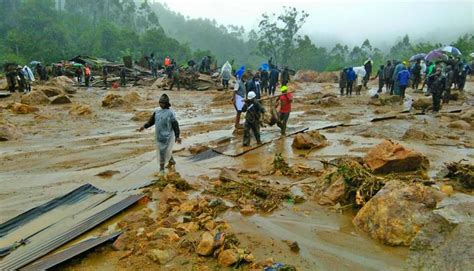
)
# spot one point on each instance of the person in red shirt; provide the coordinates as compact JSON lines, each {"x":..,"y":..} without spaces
{"x":284,"y":101}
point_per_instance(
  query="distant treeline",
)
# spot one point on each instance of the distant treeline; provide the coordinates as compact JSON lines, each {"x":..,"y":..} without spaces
{"x":53,"y":30}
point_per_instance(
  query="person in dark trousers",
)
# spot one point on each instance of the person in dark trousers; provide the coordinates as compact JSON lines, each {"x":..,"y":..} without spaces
{"x":274,"y":74}
{"x":416,"y":72}
{"x":11,"y":77}
{"x":465,"y":70}
{"x":388,"y":71}
{"x":368,"y":71}
{"x":153,"y":63}
{"x":105,"y":74}
{"x":87,"y":75}
{"x":381,"y":76}
{"x":285,"y":76}
{"x":225,"y":75}
{"x":254,"y":86}
{"x":351,"y":77}
{"x":166,"y":132}
{"x":79,"y":75}
{"x":176,"y":79}
{"x":403,"y":78}
{"x":123,"y":75}
{"x":342,"y":80}
{"x":284,"y":102}
{"x":437,"y":85}
{"x":264,"y":81}
{"x":253,"y":111}
{"x":449,"y":84}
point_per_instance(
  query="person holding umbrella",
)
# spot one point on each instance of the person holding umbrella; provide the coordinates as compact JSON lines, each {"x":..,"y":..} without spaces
{"x":437,"y":85}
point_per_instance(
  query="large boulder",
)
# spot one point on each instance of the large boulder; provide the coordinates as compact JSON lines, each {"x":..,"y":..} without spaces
{"x":19,"y":108}
{"x":389,"y":157}
{"x":61,"y":99}
{"x":310,"y":140}
{"x":397,"y":213}
{"x":35,"y":98}
{"x":50,"y":91}
{"x":446,"y":243}
{"x":9,"y":132}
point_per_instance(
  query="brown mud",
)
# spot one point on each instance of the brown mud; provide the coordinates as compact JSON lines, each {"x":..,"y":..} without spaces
{"x":63,"y":146}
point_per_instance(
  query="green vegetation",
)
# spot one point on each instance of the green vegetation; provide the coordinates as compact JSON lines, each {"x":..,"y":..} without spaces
{"x":50,"y":31}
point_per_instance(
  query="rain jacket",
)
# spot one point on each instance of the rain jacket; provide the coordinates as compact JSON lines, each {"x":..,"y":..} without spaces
{"x":351,"y":75}
{"x":388,"y":72}
{"x":397,"y":69}
{"x":343,"y":79}
{"x":166,"y":130}
{"x":274,"y":76}
{"x":403,"y":77}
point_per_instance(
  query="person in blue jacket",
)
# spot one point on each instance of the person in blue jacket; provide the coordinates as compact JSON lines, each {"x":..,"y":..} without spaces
{"x":403,"y":78}
{"x":351,"y":77}
{"x":396,"y":89}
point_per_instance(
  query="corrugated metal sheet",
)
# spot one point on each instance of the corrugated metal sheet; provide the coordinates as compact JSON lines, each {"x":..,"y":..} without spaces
{"x":23,"y":227}
{"x":69,"y":253}
{"x":74,"y":196}
{"x":61,"y":233}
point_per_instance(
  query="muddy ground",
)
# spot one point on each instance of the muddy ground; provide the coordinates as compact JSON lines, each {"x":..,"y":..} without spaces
{"x":59,"y":149}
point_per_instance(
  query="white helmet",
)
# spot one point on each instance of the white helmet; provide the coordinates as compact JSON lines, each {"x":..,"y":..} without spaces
{"x":251,"y":95}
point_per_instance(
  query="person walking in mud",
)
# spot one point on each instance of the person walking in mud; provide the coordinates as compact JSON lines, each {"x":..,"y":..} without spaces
{"x":238,"y":99}
{"x":284,"y":102}
{"x":285,"y":76}
{"x":123,"y":76}
{"x":87,"y":74}
{"x":403,"y":78}
{"x":166,"y":132}
{"x":342,"y":80}
{"x":176,"y":79}
{"x":264,"y":81}
{"x":380,"y":75}
{"x":351,"y":77}
{"x":253,"y":110}
{"x":437,"y":84}
{"x":274,"y":73}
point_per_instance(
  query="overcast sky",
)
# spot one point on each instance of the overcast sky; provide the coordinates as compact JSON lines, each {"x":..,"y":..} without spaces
{"x":330,"y":21}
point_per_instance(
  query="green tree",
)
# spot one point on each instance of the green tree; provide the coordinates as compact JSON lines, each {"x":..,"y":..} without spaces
{"x":278,"y":37}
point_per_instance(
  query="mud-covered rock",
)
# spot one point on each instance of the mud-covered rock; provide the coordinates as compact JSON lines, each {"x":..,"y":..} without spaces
{"x":80,"y":110}
{"x":197,"y":149}
{"x":132,"y":97}
{"x":50,"y":91}
{"x":415,"y":134}
{"x":334,"y":193}
{"x":397,"y":213}
{"x":329,"y":101}
{"x":9,"y":132}
{"x":141,"y":116}
{"x":19,"y":108}
{"x":310,"y":140}
{"x":206,"y":245}
{"x":460,"y":124}
{"x":423,"y":103}
{"x":61,"y":99}
{"x":227,"y":257}
{"x":467,"y":115}
{"x":35,"y":98}
{"x":389,"y":156}
{"x":112,"y":100}
{"x":159,"y":256}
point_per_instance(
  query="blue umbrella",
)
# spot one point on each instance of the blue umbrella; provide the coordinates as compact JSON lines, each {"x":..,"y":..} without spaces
{"x":417,"y":56}
{"x":34,"y":63}
{"x":265,"y":67}
{"x":435,"y":54}
{"x":452,"y":50}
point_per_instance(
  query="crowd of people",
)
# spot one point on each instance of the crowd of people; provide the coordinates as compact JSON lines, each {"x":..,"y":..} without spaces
{"x":439,"y":77}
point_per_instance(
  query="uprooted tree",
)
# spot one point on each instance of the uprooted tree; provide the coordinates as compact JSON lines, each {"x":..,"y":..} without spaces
{"x":278,"y":36}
